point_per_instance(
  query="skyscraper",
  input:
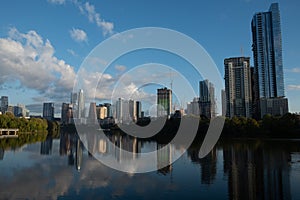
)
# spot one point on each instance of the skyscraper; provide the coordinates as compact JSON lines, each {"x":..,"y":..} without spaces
{"x":66,"y":113}
{"x":132,"y":110}
{"x":193,"y":107}
{"x":122,"y":111}
{"x":238,"y":87}
{"x":4,"y":104}
{"x":48,"y":111}
{"x":74,"y":98}
{"x":119,"y":110}
{"x":268,"y":67}
{"x":138,"y":109}
{"x":81,"y":105}
{"x":164,"y":102}
{"x":207,"y":99}
{"x":223,"y":96}
{"x":92,"y":119}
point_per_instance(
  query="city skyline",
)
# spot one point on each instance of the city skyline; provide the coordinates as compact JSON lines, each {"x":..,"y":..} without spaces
{"x":61,"y":60}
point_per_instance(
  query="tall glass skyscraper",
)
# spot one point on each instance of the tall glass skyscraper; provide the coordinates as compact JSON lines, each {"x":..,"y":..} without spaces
{"x":207,"y":103}
{"x":81,"y":105}
{"x":267,"y":53}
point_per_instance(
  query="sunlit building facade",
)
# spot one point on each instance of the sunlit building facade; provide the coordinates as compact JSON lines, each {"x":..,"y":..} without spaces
{"x":268,"y":65}
{"x":238,"y":87}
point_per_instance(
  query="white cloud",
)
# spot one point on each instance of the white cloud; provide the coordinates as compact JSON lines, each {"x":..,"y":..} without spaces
{"x":72,"y":52}
{"x":89,"y":82}
{"x":94,"y":17}
{"x":29,"y":59}
{"x":57,"y":1}
{"x":293,"y":87}
{"x":293,"y":70}
{"x":89,"y":10}
{"x":55,"y":178}
{"x":78,"y":35}
{"x":120,"y":68}
{"x":98,"y":86}
{"x":296,"y":70}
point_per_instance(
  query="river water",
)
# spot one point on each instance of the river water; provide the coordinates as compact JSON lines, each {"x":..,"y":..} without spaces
{"x":235,"y":169}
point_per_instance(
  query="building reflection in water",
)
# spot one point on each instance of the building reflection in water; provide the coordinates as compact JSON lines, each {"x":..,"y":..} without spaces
{"x":78,"y":153}
{"x":130,"y":144}
{"x":71,"y":146}
{"x":65,"y":147}
{"x":208,"y":164}
{"x":102,"y":146}
{"x":164,"y":158}
{"x":256,"y":172}
{"x":1,"y":153}
{"x":46,"y":146}
{"x":123,"y":148}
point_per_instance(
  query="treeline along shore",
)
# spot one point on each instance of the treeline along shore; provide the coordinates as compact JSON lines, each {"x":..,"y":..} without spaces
{"x":283,"y":127}
{"x":37,"y":129}
{"x":30,"y":130}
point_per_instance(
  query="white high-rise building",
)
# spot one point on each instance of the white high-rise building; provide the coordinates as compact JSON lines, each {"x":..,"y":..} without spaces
{"x":81,"y":105}
{"x":122,"y":111}
{"x":193,"y":107}
{"x":133,"y":110}
{"x":238,"y":87}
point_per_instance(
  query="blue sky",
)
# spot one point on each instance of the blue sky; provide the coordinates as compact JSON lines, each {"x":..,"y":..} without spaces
{"x":43,"y":43}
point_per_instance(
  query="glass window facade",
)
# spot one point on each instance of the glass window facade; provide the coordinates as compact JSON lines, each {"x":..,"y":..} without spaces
{"x":267,"y":52}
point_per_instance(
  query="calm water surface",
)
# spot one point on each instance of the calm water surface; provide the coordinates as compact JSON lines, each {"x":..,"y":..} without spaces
{"x":239,"y":169}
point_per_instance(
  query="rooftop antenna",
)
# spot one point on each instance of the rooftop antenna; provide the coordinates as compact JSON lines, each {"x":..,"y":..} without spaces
{"x":171,"y":80}
{"x":171,"y":87}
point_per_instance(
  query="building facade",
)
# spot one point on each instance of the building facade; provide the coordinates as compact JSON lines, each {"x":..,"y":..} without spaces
{"x":267,"y":54}
{"x":164,"y":102}
{"x":74,"y":98}
{"x":48,"y":111}
{"x":132,"y":110}
{"x":138,"y":109}
{"x":109,"y":109}
{"x":101,"y":111}
{"x":238,"y":87}
{"x":81,"y":105}
{"x":4,"y":104}
{"x":66,"y":113}
{"x":193,"y":107}
{"x":207,"y":103}
{"x":223,"y":96}
{"x":122,"y":111}
{"x":92,"y":118}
